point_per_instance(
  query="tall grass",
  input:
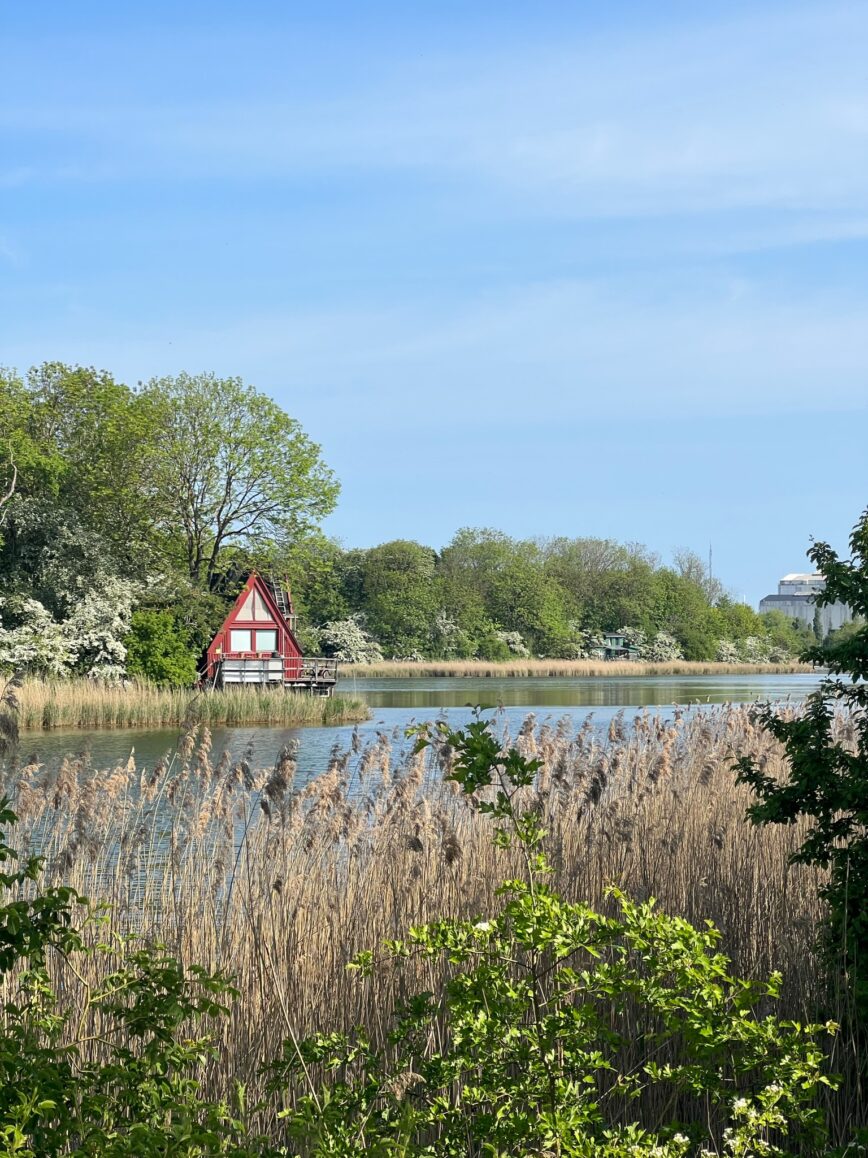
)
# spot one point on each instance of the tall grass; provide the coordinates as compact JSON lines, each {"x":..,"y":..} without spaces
{"x":523,"y":668}
{"x":88,"y":704}
{"x":281,"y":884}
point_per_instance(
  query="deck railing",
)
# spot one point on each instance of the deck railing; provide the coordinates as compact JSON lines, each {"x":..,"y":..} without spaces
{"x":317,"y":667}
{"x":250,"y":667}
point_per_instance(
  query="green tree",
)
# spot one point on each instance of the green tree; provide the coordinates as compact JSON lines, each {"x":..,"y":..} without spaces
{"x":841,"y":635}
{"x":79,"y":443}
{"x":786,"y":634}
{"x":681,"y":608}
{"x":316,"y":567}
{"x":398,"y":595}
{"x":735,"y":621}
{"x":827,"y":780}
{"x":692,"y":566}
{"x":105,"y":438}
{"x":524,"y":599}
{"x":231,"y":469}
{"x":602,"y":578}
{"x":624,"y":595}
{"x":467,"y":567}
{"x":491,"y":581}
{"x":159,"y":650}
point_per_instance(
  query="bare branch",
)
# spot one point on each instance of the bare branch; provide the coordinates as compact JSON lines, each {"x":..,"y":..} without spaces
{"x":4,"y":499}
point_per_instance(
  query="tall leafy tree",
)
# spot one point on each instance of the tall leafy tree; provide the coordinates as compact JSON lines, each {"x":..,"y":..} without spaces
{"x":682,"y":609}
{"x":231,"y":469}
{"x":105,"y":438}
{"x":79,"y":445}
{"x":399,"y":595}
{"x":827,"y":780}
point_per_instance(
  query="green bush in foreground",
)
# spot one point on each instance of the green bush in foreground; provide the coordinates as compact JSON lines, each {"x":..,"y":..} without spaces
{"x":828,"y":777}
{"x":137,"y":1093}
{"x":522,"y":1052}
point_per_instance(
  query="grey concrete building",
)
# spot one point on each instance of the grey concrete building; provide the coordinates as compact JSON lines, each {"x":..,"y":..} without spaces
{"x":795,"y":598}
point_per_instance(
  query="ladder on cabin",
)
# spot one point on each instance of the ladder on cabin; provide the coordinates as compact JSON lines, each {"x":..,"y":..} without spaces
{"x":281,"y":598}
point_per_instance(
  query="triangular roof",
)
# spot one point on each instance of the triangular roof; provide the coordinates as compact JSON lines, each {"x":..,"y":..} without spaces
{"x":256,"y":603}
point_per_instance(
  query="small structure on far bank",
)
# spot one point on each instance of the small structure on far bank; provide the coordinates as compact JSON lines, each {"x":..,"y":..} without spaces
{"x":796,"y":599}
{"x":615,"y":646}
{"x":257,"y":644}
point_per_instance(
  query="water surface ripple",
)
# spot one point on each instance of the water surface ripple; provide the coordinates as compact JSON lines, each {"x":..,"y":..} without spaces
{"x":396,"y":703}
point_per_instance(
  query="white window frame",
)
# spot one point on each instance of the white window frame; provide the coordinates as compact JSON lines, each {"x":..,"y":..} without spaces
{"x":233,"y":645}
{"x":271,"y":631}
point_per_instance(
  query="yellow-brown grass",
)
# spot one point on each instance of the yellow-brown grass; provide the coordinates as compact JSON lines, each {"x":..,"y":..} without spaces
{"x":281,"y":885}
{"x":576,"y":668}
{"x":47,"y":704}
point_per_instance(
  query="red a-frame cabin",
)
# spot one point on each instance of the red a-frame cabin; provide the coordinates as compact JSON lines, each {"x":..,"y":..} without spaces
{"x":257,"y":644}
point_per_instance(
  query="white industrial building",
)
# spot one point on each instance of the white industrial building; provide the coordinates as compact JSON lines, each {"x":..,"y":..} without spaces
{"x":795,"y":598}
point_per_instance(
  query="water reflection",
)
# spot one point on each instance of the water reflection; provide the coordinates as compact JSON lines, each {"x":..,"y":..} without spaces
{"x":638,"y":691}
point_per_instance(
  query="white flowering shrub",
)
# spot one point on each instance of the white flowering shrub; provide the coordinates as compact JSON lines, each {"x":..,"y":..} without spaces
{"x":656,"y":648}
{"x":752,"y":649}
{"x":727,"y":652}
{"x":97,"y":626}
{"x":780,"y":655}
{"x":348,"y":641}
{"x":88,"y":642}
{"x":515,"y":643}
{"x":37,"y":644}
{"x":662,"y":647}
{"x":447,"y":638}
{"x":584,"y":644}
{"x":755,"y":649}
{"x":635,"y":637}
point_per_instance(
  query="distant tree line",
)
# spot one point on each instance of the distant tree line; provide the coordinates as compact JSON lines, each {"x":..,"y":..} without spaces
{"x":130,"y":517}
{"x":493,"y":597}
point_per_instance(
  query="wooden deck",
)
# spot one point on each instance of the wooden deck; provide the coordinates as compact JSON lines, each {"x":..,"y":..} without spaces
{"x":318,"y":675}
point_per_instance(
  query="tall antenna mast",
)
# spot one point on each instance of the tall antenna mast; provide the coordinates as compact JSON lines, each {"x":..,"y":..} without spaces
{"x":709,"y":562}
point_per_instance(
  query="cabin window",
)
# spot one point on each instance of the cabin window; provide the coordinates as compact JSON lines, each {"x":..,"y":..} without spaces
{"x":266,"y":641}
{"x":239,"y":640}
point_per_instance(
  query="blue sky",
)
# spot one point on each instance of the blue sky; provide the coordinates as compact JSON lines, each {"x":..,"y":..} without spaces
{"x":558,"y":268}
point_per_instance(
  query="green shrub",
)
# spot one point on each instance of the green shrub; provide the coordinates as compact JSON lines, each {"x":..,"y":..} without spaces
{"x":828,"y":774}
{"x":521,"y":1051}
{"x":159,"y":650}
{"x":137,"y":1092}
{"x":493,"y":648}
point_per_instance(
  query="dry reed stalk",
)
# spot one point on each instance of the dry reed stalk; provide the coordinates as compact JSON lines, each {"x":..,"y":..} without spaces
{"x":281,"y":885}
{"x":45,"y":704}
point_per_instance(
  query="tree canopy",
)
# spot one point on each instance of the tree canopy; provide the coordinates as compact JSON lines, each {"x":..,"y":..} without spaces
{"x":230,"y":469}
{"x":159,"y":499}
{"x":173,"y":489}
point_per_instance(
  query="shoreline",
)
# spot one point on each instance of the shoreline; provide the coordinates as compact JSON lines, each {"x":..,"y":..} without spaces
{"x":569,"y":668}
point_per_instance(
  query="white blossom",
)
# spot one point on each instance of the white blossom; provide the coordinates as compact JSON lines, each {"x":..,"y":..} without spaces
{"x":515,"y":643}
{"x":89,"y":641}
{"x":348,"y":641}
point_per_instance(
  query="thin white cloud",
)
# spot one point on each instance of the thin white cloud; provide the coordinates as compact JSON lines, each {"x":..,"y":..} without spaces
{"x":767,"y":110}
{"x":567,"y":350}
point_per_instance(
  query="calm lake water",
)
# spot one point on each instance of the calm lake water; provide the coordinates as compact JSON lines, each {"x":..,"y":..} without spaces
{"x":395,"y":704}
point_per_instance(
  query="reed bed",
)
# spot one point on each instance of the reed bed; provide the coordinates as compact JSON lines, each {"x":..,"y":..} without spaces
{"x":575,"y":668}
{"x":45,"y":704}
{"x":281,"y":883}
